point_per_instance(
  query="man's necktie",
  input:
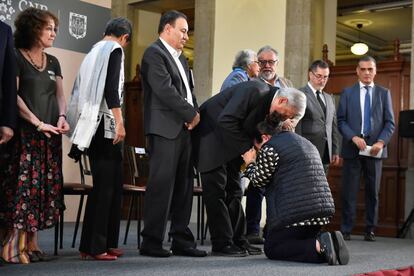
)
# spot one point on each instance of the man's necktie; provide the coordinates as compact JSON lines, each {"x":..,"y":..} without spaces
{"x":367,"y":111}
{"x":318,"y":96}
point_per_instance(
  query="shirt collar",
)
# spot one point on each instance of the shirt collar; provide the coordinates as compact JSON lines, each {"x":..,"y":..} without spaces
{"x":361,"y":85}
{"x":171,"y":50}
{"x":313,"y":89}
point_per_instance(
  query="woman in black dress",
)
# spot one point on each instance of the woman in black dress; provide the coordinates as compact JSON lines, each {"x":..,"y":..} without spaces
{"x":32,"y":175}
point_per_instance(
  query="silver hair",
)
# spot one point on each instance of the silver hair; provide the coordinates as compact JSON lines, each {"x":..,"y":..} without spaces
{"x":296,"y":99}
{"x":268,"y":48}
{"x":244,"y":58}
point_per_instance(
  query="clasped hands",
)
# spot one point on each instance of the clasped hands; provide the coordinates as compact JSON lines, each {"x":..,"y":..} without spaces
{"x":361,"y":144}
{"x":191,"y":125}
{"x":48,"y":129}
{"x":249,"y":156}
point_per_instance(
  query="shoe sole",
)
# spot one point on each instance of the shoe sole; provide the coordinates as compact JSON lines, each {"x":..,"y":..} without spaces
{"x":342,"y":253}
{"x":220,"y":254}
{"x":327,"y":239}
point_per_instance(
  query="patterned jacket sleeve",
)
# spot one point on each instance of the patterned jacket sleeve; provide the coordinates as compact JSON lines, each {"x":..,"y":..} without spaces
{"x":260,"y":173}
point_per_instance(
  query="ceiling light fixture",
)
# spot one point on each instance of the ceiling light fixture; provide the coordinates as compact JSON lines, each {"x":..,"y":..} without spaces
{"x":359,"y":48}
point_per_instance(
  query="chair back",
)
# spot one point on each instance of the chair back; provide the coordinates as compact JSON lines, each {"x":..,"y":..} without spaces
{"x":135,"y":166}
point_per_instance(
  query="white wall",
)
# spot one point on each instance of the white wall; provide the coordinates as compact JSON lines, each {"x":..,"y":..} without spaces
{"x":241,"y":24}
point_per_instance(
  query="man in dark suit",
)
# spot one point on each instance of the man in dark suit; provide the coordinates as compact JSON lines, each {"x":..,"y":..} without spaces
{"x":225,"y":132}
{"x":319,"y":125}
{"x":365,"y":118}
{"x":8,"y":95}
{"x":170,"y":113}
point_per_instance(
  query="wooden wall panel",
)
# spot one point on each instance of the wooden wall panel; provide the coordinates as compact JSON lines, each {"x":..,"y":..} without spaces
{"x":395,"y":76}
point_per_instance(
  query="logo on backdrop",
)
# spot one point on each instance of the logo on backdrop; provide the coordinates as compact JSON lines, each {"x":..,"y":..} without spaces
{"x":77,"y":25}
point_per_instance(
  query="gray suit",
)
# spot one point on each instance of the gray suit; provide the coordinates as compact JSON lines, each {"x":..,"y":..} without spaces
{"x":320,"y":130}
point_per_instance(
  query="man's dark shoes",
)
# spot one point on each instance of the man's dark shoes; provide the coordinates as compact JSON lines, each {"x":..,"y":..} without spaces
{"x":230,"y":251}
{"x":346,"y":236}
{"x":327,"y":248}
{"x":155,"y":252}
{"x":341,"y":250}
{"x":370,"y":236}
{"x":252,"y":250}
{"x":254,"y":238}
{"x":190,"y":252}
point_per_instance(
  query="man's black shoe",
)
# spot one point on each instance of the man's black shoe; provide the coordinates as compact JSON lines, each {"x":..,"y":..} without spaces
{"x":155,"y":252}
{"x":230,"y":251}
{"x":252,"y":250}
{"x":327,"y":248}
{"x":370,"y":236}
{"x":346,"y":236}
{"x":341,"y":250}
{"x":254,"y":238}
{"x":190,"y":252}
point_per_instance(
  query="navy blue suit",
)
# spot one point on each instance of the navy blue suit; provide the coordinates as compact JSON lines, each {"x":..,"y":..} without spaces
{"x":349,"y":124}
{"x":8,"y":96}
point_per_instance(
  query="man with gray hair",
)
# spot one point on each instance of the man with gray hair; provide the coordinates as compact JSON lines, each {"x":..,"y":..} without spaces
{"x":225,"y":133}
{"x":245,"y":67}
{"x":268,"y":59}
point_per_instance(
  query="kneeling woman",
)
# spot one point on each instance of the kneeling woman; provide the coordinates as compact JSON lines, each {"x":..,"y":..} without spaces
{"x":299,"y":201}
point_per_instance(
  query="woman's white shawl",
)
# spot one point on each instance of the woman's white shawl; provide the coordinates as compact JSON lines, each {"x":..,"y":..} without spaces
{"x":87,"y":103}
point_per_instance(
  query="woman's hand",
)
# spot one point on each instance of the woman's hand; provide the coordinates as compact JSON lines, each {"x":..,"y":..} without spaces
{"x":119,"y":132}
{"x":249,"y":156}
{"x":62,"y":125}
{"x":47,"y":129}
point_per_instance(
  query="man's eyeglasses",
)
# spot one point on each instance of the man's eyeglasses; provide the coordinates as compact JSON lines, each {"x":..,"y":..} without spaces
{"x":264,"y":62}
{"x":319,"y":76}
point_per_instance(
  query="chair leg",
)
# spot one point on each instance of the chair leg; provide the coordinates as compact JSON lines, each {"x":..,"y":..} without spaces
{"x":140,"y":197}
{"x":198,"y":217}
{"x":56,"y":238}
{"x":61,"y":228}
{"x":203,"y":223}
{"x":77,"y":220}
{"x":131,"y":205}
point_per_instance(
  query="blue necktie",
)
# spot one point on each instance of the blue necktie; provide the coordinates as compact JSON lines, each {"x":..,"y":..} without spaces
{"x":367,"y":112}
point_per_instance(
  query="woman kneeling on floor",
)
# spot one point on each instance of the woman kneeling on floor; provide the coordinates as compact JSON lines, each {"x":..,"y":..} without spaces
{"x":299,"y":201}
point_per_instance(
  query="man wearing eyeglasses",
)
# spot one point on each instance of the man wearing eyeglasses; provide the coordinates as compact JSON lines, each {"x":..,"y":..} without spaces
{"x":319,"y":124}
{"x":268,"y":59}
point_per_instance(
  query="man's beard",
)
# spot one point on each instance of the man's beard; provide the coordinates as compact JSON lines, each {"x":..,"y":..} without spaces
{"x":268,"y":75}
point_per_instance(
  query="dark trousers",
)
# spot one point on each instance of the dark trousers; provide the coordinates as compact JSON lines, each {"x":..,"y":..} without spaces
{"x":296,"y":244}
{"x":254,"y":198}
{"x":222,"y":195}
{"x":169,"y":191}
{"x":371,"y":168}
{"x":100,"y":229}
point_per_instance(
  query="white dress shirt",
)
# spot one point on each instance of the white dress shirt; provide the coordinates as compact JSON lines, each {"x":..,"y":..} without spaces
{"x":362,"y":92}
{"x":316,"y":96}
{"x":176,"y":54}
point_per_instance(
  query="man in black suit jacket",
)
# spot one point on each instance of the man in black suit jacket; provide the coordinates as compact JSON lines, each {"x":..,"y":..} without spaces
{"x":8,"y":95}
{"x":225,"y":132}
{"x":170,"y":113}
{"x":319,"y":124}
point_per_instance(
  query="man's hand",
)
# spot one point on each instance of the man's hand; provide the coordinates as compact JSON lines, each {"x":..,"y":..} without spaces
{"x":119,"y":132}
{"x":6,"y":134}
{"x":359,"y":142}
{"x":249,"y":156}
{"x":335,"y":160}
{"x":288,"y":124}
{"x":376,"y":148}
{"x":191,"y":125}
